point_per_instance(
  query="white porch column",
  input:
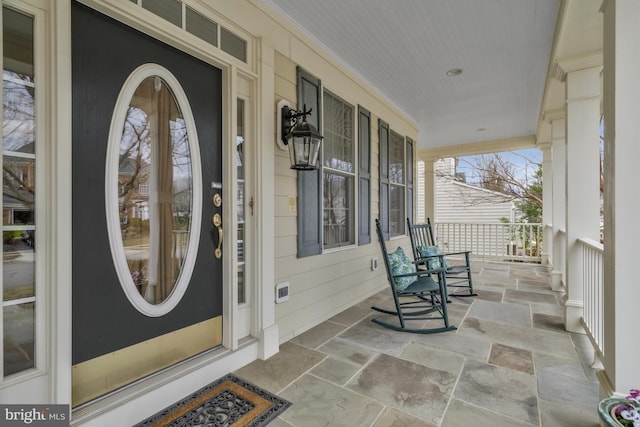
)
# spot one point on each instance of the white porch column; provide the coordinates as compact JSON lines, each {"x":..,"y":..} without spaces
{"x":582,"y":173}
{"x":547,"y":202}
{"x":621,"y":89}
{"x":430,"y":189}
{"x":264,"y":324}
{"x":559,"y":154}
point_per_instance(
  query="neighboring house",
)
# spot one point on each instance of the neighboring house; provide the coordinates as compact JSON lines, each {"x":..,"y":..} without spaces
{"x":461,"y":209}
{"x":457,"y":201}
{"x":133,"y":198}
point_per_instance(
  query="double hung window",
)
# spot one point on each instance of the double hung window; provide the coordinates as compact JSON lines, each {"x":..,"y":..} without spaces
{"x":330,"y":207}
{"x":396,"y":180}
{"x":335,"y":201}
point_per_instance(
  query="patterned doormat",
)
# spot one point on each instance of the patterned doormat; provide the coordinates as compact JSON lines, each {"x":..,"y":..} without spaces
{"x":225,"y":402}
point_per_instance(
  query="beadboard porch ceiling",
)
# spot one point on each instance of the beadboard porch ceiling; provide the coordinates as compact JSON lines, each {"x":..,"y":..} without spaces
{"x":405,"y":48}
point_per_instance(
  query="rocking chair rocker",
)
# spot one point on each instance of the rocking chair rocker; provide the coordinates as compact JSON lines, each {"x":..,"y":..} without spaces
{"x":423,"y":243}
{"x":416,"y":293}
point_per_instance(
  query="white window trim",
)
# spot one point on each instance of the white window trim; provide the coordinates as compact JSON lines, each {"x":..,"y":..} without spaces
{"x":44,"y":282}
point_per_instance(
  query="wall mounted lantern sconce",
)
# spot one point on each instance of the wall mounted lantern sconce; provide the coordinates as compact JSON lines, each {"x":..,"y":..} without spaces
{"x":299,"y":137}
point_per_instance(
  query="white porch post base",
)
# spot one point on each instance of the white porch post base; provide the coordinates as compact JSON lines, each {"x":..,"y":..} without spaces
{"x":269,"y":342}
{"x":597,"y":362}
{"x":572,"y":315}
{"x":556,"y":280}
{"x":544,"y":258}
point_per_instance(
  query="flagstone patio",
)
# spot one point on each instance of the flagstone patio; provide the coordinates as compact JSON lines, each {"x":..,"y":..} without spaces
{"x":509,"y":363}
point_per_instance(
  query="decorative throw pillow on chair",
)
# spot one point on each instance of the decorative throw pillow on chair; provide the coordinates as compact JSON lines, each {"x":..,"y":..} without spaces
{"x":433,"y":263}
{"x":400,"y":263}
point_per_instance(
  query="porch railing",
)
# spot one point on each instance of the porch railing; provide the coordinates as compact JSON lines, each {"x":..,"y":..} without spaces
{"x":514,"y":241}
{"x":593,"y":279}
{"x":503,"y":241}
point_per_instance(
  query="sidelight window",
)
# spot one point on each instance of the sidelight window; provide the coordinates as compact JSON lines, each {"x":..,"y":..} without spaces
{"x":241,"y":200}
{"x":18,"y":185}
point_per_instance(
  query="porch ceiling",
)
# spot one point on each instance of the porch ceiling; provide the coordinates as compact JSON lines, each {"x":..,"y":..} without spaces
{"x":405,"y":49}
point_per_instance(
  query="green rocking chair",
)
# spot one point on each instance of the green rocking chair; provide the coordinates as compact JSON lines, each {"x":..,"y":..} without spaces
{"x":416,"y":293}
{"x":423,"y":245}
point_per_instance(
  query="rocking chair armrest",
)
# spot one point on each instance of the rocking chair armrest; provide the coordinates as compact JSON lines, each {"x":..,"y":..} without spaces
{"x":457,"y":253}
{"x":424,"y":258}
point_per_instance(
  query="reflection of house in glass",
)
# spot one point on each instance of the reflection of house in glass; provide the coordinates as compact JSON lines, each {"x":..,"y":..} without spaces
{"x":133,"y":200}
{"x":18,"y":165}
{"x":17,"y":194}
{"x":18,"y":201}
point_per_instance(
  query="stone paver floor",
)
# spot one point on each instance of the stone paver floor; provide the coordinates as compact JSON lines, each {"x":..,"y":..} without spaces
{"x":509,"y":363}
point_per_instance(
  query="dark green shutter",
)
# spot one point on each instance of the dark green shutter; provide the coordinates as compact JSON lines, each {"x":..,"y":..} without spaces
{"x":364,"y":176}
{"x":410,"y":169}
{"x":309,"y":191}
{"x":383,"y":137}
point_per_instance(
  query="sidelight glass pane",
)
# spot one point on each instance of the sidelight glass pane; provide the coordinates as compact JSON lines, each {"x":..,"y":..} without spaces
{"x":240,"y":199}
{"x":18,"y":334}
{"x":18,"y":185}
{"x":18,"y":195}
{"x":18,"y":220}
{"x":18,"y":113}
{"x":154,"y":189}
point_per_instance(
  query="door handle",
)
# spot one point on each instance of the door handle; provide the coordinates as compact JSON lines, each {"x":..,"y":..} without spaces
{"x":217,"y":222}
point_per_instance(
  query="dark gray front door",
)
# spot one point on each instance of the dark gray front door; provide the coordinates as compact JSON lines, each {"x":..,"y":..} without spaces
{"x":113,"y":342}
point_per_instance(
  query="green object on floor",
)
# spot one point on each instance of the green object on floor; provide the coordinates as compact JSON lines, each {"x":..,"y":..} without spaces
{"x":607,"y":408}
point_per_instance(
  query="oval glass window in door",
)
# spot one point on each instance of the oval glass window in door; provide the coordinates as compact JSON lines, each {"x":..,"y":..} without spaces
{"x":152,"y":186}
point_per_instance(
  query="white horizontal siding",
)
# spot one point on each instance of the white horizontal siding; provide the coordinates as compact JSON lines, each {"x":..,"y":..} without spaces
{"x":458,"y":202}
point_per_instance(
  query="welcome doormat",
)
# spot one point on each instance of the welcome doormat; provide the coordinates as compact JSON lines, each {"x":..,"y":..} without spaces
{"x":225,"y":402}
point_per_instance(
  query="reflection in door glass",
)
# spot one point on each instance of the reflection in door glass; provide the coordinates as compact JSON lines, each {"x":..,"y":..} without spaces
{"x":18,"y":192}
{"x":154,"y":189}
